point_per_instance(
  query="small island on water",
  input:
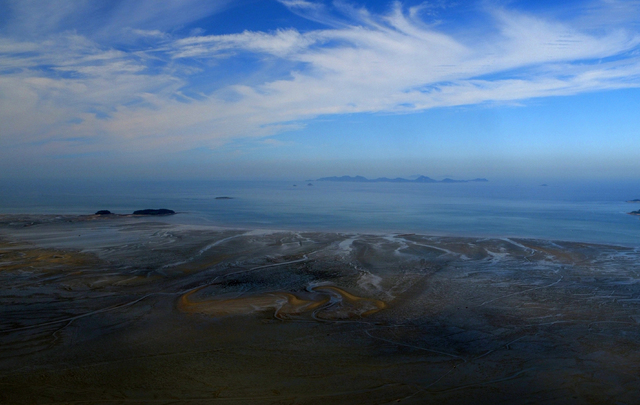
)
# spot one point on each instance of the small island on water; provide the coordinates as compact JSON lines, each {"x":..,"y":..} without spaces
{"x":637,"y":200}
{"x":419,"y":179}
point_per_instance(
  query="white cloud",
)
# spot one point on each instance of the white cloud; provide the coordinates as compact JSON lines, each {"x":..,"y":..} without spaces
{"x":150,"y":33}
{"x":103,"y":20}
{"x":70,"y":85}
{"x":303,"y":4}
{"x":281,"y":43}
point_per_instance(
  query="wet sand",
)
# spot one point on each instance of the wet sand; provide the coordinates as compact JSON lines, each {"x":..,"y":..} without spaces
{"x":134,"y":311}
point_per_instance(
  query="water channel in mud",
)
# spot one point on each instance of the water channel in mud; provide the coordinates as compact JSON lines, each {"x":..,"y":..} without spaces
{"x":134,"y":310}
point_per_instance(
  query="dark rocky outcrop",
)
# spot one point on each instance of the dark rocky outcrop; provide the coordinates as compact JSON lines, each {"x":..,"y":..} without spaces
{"x":104,"y":212}
{"x":161,"y":211}
{"x":635,"y":212}
{"x":224,"y":198}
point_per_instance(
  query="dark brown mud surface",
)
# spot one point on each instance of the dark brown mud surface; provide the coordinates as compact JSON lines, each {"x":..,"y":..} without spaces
{"x":134,"y":311}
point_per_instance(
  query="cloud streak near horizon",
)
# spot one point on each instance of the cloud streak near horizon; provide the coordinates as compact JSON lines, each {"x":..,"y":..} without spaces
{"x":136,"y":79}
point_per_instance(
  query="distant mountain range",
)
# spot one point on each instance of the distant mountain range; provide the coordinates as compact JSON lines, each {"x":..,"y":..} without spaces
{"x":420,"y":179}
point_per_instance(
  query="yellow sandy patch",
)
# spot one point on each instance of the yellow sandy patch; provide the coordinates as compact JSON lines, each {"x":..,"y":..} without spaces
{"x":285,"y":304}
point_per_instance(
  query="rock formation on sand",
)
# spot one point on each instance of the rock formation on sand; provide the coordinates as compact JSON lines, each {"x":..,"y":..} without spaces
{"x":148,"y":211}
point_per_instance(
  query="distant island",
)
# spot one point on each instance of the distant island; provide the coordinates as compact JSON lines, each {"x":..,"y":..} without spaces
{"x":420,"y":179}
{"x":635,"y":212}
{"x":637,"y":200}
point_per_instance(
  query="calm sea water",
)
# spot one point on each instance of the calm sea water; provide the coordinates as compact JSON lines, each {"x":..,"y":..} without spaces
{"x":587,"y":211}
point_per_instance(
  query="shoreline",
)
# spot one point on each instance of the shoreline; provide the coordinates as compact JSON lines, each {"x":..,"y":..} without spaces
{"x":35,"y":219}
{"x":574,"y":212}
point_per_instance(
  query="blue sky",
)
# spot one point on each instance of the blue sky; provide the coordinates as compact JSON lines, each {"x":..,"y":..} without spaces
{"x":302,"y":89}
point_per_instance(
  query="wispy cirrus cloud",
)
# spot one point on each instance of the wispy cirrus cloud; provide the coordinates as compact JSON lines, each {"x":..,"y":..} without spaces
{"x":283,"y":43}
{"x":76,"y":84}
{"x":102,"y":20}
{"x":301,"y":4}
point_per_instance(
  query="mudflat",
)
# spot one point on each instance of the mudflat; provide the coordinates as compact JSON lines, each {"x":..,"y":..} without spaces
{"x":133,"y":310}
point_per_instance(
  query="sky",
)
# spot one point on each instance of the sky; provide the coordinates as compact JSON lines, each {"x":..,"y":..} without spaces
{"x":293,"y":89}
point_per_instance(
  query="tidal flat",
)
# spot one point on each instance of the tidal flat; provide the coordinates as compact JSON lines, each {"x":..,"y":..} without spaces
{"x":135,"y":311}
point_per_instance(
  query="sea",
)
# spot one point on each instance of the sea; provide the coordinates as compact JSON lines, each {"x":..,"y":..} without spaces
{"x":580,"y":211}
